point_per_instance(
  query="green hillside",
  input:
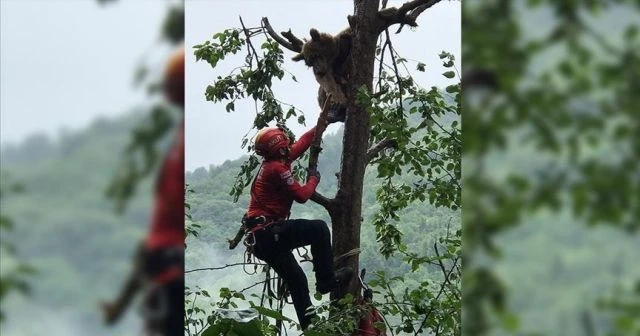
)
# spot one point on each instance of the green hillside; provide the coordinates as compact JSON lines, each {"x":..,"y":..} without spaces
{"x":555,"y":269}
{"x":218,"y":216}
{"x":67,"y":229}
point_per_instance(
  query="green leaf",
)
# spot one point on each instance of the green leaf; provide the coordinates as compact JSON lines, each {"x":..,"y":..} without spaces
{"x":631,"y":33}
{"x":510,"y":322}
{"x":420,"y":67}
{"x":272,"y":314}
{"x":449,"y":74}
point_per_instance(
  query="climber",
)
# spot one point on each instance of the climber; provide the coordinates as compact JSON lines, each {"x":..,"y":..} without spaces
{"x":158,"y":266}
{"x":272,"y":193}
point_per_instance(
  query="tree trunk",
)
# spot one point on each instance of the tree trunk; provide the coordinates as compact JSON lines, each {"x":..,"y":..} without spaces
{"x":346,"y":213}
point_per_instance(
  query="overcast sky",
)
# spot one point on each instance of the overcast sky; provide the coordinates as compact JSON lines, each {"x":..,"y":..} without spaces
{"x":213,"y":135}
{"x":65,"y":62}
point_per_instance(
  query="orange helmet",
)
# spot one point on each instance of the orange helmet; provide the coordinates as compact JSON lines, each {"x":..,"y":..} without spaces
{"x":269,"y":141}
{"x":174,"y":78}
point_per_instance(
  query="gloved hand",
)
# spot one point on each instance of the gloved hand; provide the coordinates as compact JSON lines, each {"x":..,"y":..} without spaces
{"x":336,"y":113}
{"x":313,"y":172}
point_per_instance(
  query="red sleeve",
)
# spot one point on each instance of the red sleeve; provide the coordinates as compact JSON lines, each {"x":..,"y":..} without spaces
{"x":302,"y":144}
{"x":300,"y":193}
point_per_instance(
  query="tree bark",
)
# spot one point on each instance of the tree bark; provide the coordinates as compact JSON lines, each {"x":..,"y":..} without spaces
{"x":346,"y":216}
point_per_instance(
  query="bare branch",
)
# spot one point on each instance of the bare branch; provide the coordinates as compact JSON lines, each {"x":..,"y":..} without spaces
{"x":292,"y":44}
{"x":407,"y":13}
{"x":373,"y":151}
{"x":250,"y":49}
{"x":411,"y":5}
{"x":444,"y":270}
{"x":380,"y":66}
{"x":395,"y":68}
{"x":411,"y":18}
{"x":222,"y":267}
{"x":293,"y":39}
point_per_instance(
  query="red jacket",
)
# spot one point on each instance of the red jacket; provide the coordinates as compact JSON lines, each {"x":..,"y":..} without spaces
{"x":167,"y":221}
{"x":275,"y":188}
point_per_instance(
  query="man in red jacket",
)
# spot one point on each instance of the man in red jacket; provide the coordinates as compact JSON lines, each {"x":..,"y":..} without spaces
{"x":272,"y":194}
{"x":158,"y":268}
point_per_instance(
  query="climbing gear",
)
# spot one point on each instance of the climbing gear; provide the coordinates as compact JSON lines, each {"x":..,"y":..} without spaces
{"x":253,"y":224}
{"x":366,"y":326}
{"x":269,"y":141}
{"x":163,"y":264}
{"x":341,"y":277}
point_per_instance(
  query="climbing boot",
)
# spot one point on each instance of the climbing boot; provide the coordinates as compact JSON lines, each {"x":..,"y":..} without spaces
{"x":340,"y":278}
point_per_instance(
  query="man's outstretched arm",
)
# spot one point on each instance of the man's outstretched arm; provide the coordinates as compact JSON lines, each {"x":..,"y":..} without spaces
{"x":302,"y":144}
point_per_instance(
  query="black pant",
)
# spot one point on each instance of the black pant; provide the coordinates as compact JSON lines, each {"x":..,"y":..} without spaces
{"x":164,"y":309}
{"x":164,"y":303}
{"x":274,"y":245}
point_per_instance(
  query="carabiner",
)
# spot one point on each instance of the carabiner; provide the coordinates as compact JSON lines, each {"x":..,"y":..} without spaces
{"x":249,"y":240}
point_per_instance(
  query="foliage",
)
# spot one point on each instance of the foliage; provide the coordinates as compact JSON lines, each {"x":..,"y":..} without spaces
{"x":140,"y":157}
{"x":564,"y":95}
{"x":426,"y":137}
{"x":15,"y":274}
{"x":425,"y":134}
{"x":213,"y":209}
{"x":433,"y":304}
{"x":252,"y":80}
{"x":205,"y":323}
{"x":60,"y":205}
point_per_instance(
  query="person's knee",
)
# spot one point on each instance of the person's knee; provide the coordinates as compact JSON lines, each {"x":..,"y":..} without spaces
{"x":321,"y":228}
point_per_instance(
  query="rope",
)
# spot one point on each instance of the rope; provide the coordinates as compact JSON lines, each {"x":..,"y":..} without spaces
{"x":348,"y":254}
{"x":248,"y":257}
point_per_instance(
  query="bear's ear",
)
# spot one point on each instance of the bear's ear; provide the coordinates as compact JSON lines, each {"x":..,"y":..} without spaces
{"x":315,"y":35}
{"x":298,"y":57}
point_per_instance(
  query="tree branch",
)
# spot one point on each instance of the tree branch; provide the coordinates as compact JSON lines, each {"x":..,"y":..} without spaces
{"x":250,"y":49}
{"x":222,"y":267}
{"x":407,"y":13}
{"x":322,"y":200}
{"x":321,"y":125}
{"x":315,"y":151}
{"x":294,"y":43}
{"x":395,"y":68}
{"x":293,"y":39}
{"x":375,"y":150}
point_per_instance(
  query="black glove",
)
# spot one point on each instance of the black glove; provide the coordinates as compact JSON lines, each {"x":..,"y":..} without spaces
{"x":313,"y":172}
{"x":337,"y":112}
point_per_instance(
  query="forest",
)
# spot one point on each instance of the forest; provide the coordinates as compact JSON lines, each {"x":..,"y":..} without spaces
{"x":67,"y":230}
{"x":555,"y":267}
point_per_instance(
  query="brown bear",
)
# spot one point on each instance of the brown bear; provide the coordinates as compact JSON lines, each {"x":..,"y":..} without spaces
{"x":330,"y":58}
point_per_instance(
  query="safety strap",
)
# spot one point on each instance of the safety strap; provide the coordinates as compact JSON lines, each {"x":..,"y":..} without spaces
{"x":348,"y":254}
